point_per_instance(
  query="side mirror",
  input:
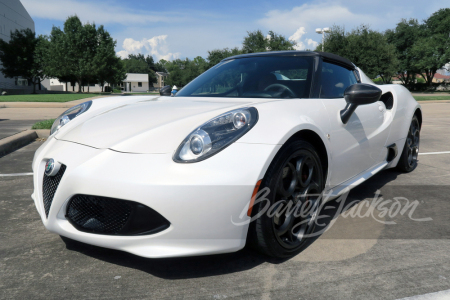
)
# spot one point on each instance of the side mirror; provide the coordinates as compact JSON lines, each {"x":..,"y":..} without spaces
{"x":165,"y":90}
{"x":358,"y":94}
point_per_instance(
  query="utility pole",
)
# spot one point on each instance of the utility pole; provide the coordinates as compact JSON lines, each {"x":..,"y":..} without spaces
{"x":322,"y":32}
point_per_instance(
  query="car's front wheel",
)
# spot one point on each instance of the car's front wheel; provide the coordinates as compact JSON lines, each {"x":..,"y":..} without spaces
{"x":409,"y":158}
{"x":294,"y":182}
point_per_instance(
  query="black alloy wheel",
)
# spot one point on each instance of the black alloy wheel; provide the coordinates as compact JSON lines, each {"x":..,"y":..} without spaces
{"x":295,"y":180}
{"x":409,"y":158}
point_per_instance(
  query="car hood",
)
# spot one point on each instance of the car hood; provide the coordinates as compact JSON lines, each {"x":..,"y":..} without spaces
{"x":156,"y":125}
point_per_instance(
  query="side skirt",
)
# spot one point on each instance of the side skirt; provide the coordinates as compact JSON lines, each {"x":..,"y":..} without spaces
{"x":336,"y":191}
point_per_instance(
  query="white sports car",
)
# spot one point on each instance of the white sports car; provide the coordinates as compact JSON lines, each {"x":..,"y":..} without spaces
{"x":178,"y":176}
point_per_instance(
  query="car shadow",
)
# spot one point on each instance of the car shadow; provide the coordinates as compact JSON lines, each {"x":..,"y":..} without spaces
{"x":175,"y":268}
{"x":220,"y":264}
{"x":367,"y":190}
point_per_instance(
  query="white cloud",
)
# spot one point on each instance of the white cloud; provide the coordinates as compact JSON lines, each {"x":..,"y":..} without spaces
{"x":307,"y":17}
{"x":156,"y":46}
{"x":298,"y":34}
{"x":297,"y":37}
{"x":311,"y":44}
{"x":310,"y":16}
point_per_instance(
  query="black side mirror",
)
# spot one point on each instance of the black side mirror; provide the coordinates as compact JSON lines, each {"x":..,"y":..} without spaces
{"x":165,"y":90}
{"x":358,"y":94}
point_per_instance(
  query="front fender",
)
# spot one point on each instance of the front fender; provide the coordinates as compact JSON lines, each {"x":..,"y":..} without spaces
{"x":280,"y":120}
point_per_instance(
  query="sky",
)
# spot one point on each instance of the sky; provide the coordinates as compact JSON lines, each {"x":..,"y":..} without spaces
{"x":180,"y":29}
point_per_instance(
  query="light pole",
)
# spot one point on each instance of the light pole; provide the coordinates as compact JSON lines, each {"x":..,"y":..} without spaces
{"x":322,"y":32}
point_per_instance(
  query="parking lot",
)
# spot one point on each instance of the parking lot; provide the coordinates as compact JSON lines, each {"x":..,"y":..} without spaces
{"x":357,"y":258}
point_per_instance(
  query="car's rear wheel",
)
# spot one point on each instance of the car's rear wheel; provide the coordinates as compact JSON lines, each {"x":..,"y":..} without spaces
{"x":409,"y":158}
{"x":295,"y":180}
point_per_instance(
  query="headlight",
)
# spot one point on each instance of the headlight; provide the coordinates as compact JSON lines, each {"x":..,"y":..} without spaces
{"x":215,"y":135}
{"x":69,"y":115}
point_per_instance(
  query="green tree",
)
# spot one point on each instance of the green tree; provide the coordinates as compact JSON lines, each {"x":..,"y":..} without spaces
{"x":84,"y":54}
{"x":181,"y":72}
{"x":200,"y":64}
{"x":403,"y":37}
{"x":138,"y":63}
{"x":278,"y":42}
{"x":23,"y":56}
{"x":336,"y":41}
{"x":133,"y":64}
{"x":256,"y":42}
{"x":215,"y":56}
{"x":90,"y":43}
{"x":72,"y":52}
{"x":159,"y":66}
{"x":108,"y":67}
{"x":432,"y":49}
{"x":366,"y":48}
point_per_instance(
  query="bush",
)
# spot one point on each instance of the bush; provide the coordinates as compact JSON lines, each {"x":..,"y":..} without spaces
{"x":420,"y":80}
{"x":378,"y":80}
{"x":423,"y":87}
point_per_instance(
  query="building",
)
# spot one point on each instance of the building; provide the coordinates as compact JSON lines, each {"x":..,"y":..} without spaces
{"x":161,"y":77}
{"x":135,"y":83}
{"x":438,"y":78}
{"x":13,"y":15}
{"x":54,"y":84}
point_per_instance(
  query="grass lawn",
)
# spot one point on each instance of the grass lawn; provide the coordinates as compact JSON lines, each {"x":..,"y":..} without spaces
{"x":45,"y":97}
{"x":47,"y":124}
{"x":428,"y":98}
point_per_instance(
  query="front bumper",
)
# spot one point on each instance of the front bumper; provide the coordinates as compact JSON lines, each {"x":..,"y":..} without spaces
{"x":202,"y":201}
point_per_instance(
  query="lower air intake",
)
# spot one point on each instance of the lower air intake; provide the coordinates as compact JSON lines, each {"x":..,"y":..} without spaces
{"x":102,"y":215}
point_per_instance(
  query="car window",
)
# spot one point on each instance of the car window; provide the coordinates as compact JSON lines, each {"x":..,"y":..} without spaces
{"x":335,"y":79}
{"x":255,"y":77}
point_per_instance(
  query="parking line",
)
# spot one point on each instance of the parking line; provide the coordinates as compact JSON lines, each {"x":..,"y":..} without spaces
{"x":442,"y":295}
{"x":16,"y":174}
{"x":430,"y":153}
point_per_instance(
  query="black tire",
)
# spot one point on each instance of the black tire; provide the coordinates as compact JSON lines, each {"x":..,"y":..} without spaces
{"x":409,"y":158}
{"x":295,"y":171}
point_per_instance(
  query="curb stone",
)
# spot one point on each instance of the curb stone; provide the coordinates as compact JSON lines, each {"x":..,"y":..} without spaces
{"x":18,"y":140}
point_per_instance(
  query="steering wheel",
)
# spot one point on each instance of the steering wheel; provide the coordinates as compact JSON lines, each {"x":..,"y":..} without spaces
{"x":281,"y":89}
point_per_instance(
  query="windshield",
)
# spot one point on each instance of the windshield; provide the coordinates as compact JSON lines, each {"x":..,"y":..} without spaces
{"x":255,"y":77}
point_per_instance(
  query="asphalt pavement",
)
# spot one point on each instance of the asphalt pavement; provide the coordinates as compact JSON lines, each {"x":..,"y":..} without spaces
{"x":357,"y":258}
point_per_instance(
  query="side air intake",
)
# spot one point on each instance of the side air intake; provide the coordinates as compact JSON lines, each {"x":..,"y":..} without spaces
{"x":392,"y":152}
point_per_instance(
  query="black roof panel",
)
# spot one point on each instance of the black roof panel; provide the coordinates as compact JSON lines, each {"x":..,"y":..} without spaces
{"x":325,"y":56}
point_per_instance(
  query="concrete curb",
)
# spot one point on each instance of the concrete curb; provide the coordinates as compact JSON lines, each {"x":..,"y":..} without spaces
{"x":43,"y":133}
{"x":14,"y":142}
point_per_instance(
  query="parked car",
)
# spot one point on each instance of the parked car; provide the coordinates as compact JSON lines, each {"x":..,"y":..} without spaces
{"x":178,"y":176}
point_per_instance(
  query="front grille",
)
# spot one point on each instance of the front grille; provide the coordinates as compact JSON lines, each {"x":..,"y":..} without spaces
{"x":102,"y":215}
{"x":49,"y":187}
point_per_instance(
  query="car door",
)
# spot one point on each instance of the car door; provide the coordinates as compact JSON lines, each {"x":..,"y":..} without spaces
{"x":357,"y":145}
